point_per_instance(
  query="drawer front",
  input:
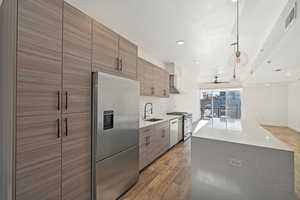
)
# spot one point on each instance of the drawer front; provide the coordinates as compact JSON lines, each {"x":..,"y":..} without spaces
{"x":144,"y":144}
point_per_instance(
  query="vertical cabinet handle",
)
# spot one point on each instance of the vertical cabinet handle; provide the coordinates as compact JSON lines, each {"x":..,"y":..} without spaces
{"x":118,"y":64}
{"x":121,"y":66}
{"x":58,"y":128}
{"x":147,"y":140}
{"x":66,"y":103}
{"x":58,"y":100}
{"x":66,"y":126}
{"x":152,"y":90}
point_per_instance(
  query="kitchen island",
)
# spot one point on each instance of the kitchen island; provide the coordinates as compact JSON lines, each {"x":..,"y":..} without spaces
{"x":240,"y":161}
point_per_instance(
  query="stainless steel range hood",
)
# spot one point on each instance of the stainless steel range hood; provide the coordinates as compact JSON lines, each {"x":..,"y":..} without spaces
{"x":173,"y":78}
{"x":173,"y":89}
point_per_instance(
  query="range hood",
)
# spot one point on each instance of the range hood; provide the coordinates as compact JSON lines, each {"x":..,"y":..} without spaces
{"x":172,"y":78}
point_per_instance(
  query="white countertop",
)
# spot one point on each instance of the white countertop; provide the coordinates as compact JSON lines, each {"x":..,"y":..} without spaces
{"x":165,"y":118}
{"x":243,"y":132}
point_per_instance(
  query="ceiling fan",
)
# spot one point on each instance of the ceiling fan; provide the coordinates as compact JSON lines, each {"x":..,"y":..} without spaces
{"x":216,"y":81}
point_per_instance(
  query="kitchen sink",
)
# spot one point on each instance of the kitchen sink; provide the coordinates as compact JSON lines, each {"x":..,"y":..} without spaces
{"x":153,"y":120}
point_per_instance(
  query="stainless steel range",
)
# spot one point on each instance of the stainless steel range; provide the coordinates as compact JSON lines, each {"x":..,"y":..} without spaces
{"x":187,"y":123}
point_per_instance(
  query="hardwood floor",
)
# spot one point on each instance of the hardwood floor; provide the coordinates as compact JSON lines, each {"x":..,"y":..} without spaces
{"x":169,"y":177}
{"x":292,"y":138}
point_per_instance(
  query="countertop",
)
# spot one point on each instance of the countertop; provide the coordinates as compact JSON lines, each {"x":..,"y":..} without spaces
{"x":165,"y":118}
{"x":246,"y":132}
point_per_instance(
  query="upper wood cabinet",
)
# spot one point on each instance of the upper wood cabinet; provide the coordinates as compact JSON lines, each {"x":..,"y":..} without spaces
{"x":128,"y":58}
{"x":153,"y":79}
{"x":39,"y":59}
{"x":113,"y":53}
{"x":145,"y":76}
{"x":166,"y":78}
{"x":77,"y":53}
{"x":105,"y":49}
{"x":38,"y":158}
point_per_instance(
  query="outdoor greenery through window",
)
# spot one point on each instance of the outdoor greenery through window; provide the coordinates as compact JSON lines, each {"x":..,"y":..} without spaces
{"x":222,"y":107}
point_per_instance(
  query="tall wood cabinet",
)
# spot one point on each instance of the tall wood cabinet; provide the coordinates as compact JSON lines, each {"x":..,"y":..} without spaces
{"x":153,"y":79}
{"x":53,"y":147}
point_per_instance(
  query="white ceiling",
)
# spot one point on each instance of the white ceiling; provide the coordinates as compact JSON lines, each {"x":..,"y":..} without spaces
{"x":206,"y":26}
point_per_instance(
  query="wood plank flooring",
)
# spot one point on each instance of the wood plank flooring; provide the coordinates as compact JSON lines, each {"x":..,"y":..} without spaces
{"x":292,"y":138}
{"x":169,"y":177}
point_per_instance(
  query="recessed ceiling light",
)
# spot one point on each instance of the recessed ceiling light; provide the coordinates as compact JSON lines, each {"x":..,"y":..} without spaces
{"x":180,"y":42}
{"x":197,"y":62}
{"x":288,"y":74}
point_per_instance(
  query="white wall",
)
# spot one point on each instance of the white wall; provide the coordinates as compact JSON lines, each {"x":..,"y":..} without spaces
{"x":189,"y":98}
{"x":266,"y":105}
{"x":293,"y":106}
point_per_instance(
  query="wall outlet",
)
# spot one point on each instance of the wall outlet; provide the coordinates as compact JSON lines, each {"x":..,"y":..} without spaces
{"x":235,"y":162}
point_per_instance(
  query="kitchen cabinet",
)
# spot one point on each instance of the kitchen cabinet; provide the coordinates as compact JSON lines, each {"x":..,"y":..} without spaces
{"x":76,"y":156}
{"x":113,"y":53}
{"x":53,"y":154}
{"x":77,"y":38}
{"x":105,"y":49}
{"x":38,"y":157}
{"x":154,"y":80}
{"x":39,"y":60}
{"x":163,"y":138}
{"x":145,"y":71}
{"x":166,"y":80}
{"x":154,"y":141}
{"x":128,"y":58}
{"x":144,"y":149}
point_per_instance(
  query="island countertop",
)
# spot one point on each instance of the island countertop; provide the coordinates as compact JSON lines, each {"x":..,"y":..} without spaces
{"x":248,"y":132}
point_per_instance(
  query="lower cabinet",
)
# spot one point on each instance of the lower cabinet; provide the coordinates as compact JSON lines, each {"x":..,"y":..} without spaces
{"x":53,"y":157}
{"x":76,"y":157}
{"x":154,"y":141}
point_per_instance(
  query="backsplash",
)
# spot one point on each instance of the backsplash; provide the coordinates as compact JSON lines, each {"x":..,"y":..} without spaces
{"x":160,"y":105}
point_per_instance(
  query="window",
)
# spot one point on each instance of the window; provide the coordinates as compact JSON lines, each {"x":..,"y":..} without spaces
{"x":221,"y":106}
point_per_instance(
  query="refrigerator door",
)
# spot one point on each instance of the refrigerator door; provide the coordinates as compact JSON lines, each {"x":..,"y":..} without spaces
{"x":116,"y":114}
{"x":116,"y":174}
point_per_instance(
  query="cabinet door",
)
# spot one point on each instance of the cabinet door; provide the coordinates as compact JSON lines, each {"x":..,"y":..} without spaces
{"x":38,"y":158}
{"x":76,"y":61}
{"x":39,"y":58}
{"x":128,"y":58}
{"x":146,"y":77}
{"x":166,"y":81}
{"x":105,"y":49}
{"x":163,"y":134}
{"x":144,"y":142}
{"x":158,"y":83}
{"x":76,"y":157}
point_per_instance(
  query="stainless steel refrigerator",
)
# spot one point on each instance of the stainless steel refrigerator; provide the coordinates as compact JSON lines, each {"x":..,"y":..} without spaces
{"x":115,"y":135}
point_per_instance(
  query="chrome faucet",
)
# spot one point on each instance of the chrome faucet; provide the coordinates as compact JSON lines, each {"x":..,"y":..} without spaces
{"x":146,"y":110}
